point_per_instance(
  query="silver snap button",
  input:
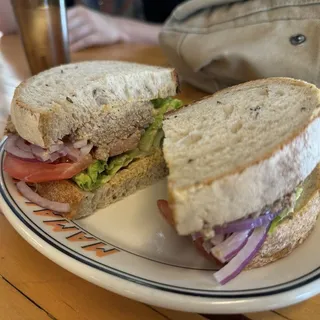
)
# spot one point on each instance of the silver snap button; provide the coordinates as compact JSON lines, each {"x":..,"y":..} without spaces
{"x":297,"y":39}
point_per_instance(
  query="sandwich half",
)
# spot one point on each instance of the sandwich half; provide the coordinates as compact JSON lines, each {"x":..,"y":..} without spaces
{"x":243,"y":171}
{"x":82,"y":136}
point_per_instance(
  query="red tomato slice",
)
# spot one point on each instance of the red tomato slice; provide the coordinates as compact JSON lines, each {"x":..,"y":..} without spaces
{"x":166,"y":211}
{"x":41,"y":172}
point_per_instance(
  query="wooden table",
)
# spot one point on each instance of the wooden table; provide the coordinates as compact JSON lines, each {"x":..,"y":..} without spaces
{"x":34,"y":288}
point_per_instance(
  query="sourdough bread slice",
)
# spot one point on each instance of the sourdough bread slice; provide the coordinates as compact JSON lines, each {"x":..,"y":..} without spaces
{"x":240,"y":149}
{"x":96,"y":100}
{"x":296,"y":228}
{"x":138,"y":175}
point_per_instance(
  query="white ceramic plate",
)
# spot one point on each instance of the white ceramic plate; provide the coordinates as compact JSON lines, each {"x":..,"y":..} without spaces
{"x":129,"y":249}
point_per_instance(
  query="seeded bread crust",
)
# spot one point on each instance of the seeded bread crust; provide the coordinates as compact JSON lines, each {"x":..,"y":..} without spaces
{"x":209,"y":186}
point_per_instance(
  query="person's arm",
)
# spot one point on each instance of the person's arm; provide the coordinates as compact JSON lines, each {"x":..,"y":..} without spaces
{"x":88,"y":28}
{"x":136,"y":31}
{"x":7,"y":19}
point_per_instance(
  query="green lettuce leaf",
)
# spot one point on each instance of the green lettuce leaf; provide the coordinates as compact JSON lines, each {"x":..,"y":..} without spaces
{"x":147,"y":139}
{"x":93,"y":177}
{"x":168,"y":104}
{"x":152,"y":137}
{"x":96,"y":168}
{"x":83,"y":180}
{"x":158,"y":139}
{"x":118,"y":162}
{"x":285,"y":212}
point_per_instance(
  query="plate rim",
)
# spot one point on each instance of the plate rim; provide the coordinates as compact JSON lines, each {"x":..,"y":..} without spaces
{"x":156,"y":297}
{"x":207,"y":304}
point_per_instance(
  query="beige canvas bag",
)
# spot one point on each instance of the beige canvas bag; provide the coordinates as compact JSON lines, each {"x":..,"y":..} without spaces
{"x":218,"y":43}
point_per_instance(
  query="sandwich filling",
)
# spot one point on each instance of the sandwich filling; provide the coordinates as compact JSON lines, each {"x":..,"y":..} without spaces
{"x":83,"y":162}
{"x":236,"y":243}
{"x":274,"y":214}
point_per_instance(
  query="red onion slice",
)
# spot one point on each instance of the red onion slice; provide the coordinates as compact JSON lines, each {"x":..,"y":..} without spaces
{"x":80,"y":144}
{"x":227,"y":249}
{"x":40,"y":153}
{"x":18,"y":147}
{"x":246,"y":224}
{"x":245,"y":255}
{"x":28,"y":193}
{"x":86,"y":150}
{"x":207,"y":246}
{"x":55,"y":148}
{"x":196,"y":235}
{"x":14,"y":150}
{"x":21,"y":144}
{"x":55,"y":156}
{"x":73,"y":153}
{"x":217,"y":239}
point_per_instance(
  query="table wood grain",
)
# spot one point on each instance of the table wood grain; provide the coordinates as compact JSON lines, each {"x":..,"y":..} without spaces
{"x":33,"y":287}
